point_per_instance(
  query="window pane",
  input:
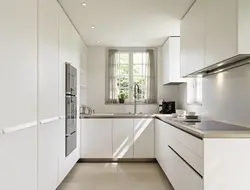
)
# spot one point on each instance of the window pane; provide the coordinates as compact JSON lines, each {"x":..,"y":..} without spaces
{"x":123,"y":58}
{"x":138,"y":70}
{"x":123,"y":82}
{"x":137,"y":58}
{"x":123,"y":69}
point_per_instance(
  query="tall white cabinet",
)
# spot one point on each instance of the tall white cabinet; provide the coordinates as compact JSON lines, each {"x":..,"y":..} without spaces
{"x":48,"y":87}
{"x":18,"y":144}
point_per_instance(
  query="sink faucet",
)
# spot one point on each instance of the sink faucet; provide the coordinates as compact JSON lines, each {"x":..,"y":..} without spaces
{"x":136,"y":95}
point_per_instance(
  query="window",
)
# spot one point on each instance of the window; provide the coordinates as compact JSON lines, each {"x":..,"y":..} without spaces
{"x":125,"y":69}
{"x":194,"y":91}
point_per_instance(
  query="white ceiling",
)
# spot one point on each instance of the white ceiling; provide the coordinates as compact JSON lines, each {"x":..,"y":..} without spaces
{"x":126,"y":23}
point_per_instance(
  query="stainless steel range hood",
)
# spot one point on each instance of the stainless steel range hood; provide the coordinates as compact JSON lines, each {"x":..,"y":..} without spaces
{"x":236,"y":61}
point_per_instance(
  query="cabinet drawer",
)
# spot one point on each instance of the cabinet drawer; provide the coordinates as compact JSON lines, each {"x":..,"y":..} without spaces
{"x":183,"y":176}
{"x":191,"y":142}
{"x":191,"y":158}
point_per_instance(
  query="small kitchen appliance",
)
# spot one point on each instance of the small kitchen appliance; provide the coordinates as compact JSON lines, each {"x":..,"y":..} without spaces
{"x":167,"y":107}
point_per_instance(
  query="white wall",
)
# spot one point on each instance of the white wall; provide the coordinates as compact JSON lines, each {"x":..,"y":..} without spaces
{"x":96,"y":86}
{"x":226,"y":96}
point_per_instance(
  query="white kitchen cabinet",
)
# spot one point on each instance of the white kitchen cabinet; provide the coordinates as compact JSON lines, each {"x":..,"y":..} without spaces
{"x":193,"y":39}
{"x":221,"y":30}
{"x":144,"y":138}
{"x":48,"y":63}
{"x":48,"y":155}
{"x":18,"y":160}
{"x":182,"y":176}
{"x":123,"y":134}
{"x":171,"y":61}
{"x":18,"y":68}
{"x":96,"y":138}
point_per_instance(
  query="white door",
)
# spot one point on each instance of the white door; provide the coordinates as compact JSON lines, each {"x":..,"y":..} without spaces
{"x":96,"y":138}
{"x":221,"y":30}
{"x":144,"y":138}
{"x":123,"y":134}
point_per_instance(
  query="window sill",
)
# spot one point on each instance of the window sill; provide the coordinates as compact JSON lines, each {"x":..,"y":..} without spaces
{"x":129,"y":104}
{"x":194,"y":104}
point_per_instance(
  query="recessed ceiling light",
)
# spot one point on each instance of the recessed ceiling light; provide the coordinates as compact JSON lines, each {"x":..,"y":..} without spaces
{"x":92,"y":27}
{"x":98,"y":42}
{"x":84,"y":4}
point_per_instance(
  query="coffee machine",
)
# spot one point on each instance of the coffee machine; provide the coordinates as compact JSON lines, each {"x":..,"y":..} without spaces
{"x":167,"y":107}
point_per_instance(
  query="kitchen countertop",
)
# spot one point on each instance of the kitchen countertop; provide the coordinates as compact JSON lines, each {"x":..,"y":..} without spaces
{"x":116,"y":115}
{"x":203,"y":129}
{"x":208,"y":128}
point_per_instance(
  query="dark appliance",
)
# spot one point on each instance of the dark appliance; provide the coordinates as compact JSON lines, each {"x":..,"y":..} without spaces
{"x":70,"y":109}
{"x":167,"y":107}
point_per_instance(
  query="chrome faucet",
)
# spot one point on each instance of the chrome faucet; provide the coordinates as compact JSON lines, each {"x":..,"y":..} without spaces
{"x":136,"y":95}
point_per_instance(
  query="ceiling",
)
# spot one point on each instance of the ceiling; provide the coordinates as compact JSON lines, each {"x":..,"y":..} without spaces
{"x":126,"y":23}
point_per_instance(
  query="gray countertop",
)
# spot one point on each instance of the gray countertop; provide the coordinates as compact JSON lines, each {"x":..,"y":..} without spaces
{"x":208,"y":128}
{"x":116,"y":115}
{"x":203,"y":129}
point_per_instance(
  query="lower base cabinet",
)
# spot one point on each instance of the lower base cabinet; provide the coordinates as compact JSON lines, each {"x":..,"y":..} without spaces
{"x":181,"y":175}
{"x":96,"y":138}
{"x":117,"y":138}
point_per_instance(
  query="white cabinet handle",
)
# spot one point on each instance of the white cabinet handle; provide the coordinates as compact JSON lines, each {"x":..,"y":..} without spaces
{"x":19,"y":127}
{"x":48,"y":120}
{"x":61,"y":117}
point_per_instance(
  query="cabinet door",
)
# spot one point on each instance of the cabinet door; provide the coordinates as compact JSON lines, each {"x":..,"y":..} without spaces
{"x":96,"y":138}
{"x":221,"y":30}
{"x":165,"y":62}
{"x":48,"y":155}
{"x":48,"y":59}
{"x":18,"y":160}
{"x":18,"y":67}
{"x":144,"y":138}
{"x":193,"y":39}
{"x":123,"y":134}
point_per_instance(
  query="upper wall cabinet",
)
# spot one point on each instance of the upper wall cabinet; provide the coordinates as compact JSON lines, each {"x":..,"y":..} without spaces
{"x":193,"y":39}
{"x":214,"y":31}
{"x":171,"y":61}
{"x":221,"y":30}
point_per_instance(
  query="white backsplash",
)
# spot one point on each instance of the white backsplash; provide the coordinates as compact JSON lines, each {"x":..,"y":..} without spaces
{"x":226,"y":97}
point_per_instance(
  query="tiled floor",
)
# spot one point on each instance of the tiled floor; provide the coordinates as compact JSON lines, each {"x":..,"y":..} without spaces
{"x":113,"y":176}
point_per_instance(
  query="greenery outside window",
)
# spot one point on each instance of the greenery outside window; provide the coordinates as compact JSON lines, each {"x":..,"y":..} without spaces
{"x":127,"y":68}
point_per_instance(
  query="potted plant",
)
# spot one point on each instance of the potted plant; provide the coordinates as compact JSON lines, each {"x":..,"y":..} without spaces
{"x":122,"y":98}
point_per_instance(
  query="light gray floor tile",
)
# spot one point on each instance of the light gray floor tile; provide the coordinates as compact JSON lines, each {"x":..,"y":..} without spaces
{"x":113,"y":176}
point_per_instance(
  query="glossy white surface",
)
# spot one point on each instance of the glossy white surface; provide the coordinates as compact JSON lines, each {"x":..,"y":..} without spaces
{"x":171,"y":61}
{"x":18,"y":160}
{"x":123,"y":135}
{"x":144,"y":138}
{"x":96,"y":138}
{"x":48,"y":155}
{"x":18,"y":37}
{"x":48,"y":47}
{"x":193,"y":39}
{"x":113,"y":176}
{"x":221,"y":39}
{"x":230,"y":168}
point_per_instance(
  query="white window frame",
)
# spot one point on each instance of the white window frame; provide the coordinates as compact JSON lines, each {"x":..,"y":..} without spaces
{"x":129,"y":101}
{"x":194,"y":91}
